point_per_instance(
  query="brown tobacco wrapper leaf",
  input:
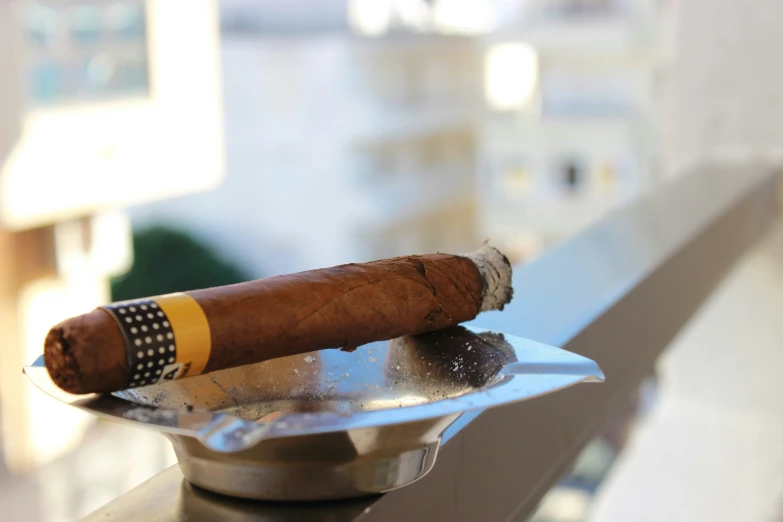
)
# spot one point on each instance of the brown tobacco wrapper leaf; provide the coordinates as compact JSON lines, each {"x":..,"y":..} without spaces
{"x":169,"y":337}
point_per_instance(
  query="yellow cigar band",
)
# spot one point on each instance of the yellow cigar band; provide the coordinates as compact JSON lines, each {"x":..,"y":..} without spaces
{"x":166,"y":337}
{"x":191,"y":331}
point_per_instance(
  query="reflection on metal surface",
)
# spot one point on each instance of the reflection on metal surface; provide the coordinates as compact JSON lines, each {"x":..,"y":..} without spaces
{"x":333,"y":424}
{"x":195,"y":504}
{"x":167,"y":497}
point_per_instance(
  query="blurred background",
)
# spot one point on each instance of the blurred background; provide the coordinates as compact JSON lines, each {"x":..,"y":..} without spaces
{"x":151,"y":146}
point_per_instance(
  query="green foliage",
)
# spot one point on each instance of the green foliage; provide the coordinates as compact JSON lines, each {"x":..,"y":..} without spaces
{"x":168,"y":260}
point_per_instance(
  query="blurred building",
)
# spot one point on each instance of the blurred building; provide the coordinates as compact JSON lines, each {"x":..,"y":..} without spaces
{"x":339,"y":147}
{"x":359,"y":129}
{"x":104,"y":104}
{"x":569,"y":132}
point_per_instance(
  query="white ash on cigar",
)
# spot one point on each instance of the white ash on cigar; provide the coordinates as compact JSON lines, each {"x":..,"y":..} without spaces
{"x":496,"y":271}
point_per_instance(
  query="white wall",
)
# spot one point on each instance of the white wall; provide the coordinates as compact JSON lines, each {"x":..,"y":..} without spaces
{"x":301,"y":116}
{"x":726,"y":81}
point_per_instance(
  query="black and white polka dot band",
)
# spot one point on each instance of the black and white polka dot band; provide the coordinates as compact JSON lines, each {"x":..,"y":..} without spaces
{"x":166,"y":337}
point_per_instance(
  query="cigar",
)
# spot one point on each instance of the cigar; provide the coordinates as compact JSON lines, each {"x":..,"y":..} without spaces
{"x":146,"y":341}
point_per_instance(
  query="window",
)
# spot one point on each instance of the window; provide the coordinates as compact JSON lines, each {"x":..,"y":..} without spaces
{"x":124,"y":20}
{"x":84,"y":23}
{"x":84,"y":51}
{"x":580,"y":92}
{"x":571,"y":174}
{"x":517,"y":180}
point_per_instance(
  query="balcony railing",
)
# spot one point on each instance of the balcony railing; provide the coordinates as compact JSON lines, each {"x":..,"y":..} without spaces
{"x":617,"y":293}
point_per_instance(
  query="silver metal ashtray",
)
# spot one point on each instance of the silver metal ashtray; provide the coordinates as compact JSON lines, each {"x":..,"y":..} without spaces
{"x":332,"y":424}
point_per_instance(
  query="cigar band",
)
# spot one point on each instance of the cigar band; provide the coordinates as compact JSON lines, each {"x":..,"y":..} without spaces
{"x":167,"y":337}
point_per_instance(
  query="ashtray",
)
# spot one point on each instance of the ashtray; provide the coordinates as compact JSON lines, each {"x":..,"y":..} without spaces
{"x":332,"y":424}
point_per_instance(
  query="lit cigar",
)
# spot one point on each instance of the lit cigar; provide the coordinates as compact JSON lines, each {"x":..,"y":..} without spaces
{"x":142,"y":342}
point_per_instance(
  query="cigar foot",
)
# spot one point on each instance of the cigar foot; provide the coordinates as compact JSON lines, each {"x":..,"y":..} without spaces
{"x":61,"y":363}
{"x":79,"y":356}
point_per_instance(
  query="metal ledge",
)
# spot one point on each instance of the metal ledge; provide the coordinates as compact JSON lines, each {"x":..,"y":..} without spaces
{"x":617,"y":293}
